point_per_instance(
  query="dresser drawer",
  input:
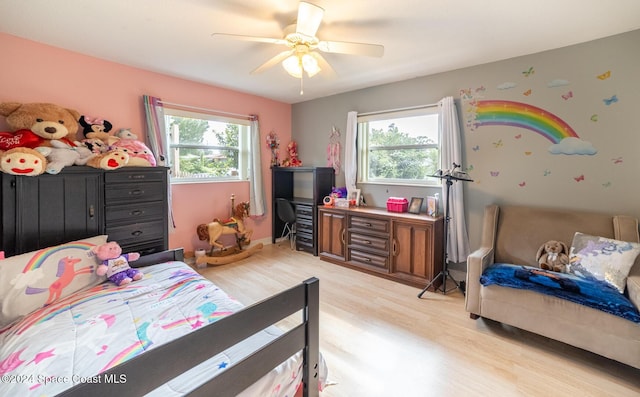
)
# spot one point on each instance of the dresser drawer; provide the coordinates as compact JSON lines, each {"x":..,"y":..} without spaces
{"x":134,"y":192}
{"x":135,"y":174}
{"x":367,"y":242}
{"x":134,"y":213}
{"x":371,"y":261}
{"x":304,"y":242}
{"x":304,"y":212}
{"x":145,"y":248}
{"x":304,"y":225}
{"x":369,"y":224}
{"x":137,"y":232}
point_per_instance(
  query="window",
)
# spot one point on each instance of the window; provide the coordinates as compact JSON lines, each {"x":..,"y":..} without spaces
{"x":400,"y":147}
{"x":206,"y":148}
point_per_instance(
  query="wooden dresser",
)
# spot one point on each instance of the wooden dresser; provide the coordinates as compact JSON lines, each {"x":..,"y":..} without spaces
{"x":129,"y":204}
{"x":400,"y":246}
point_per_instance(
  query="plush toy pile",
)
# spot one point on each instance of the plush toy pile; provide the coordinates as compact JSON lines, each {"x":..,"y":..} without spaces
{"x":292,"y":160}
{"x":43,"y":138}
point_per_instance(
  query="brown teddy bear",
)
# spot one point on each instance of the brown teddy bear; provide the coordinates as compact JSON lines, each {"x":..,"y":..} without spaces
{"x":37,"y":124}
{"x":553,"y":255}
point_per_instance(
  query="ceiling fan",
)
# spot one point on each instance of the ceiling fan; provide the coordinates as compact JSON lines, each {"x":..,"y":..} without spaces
{"x":301,"y":56}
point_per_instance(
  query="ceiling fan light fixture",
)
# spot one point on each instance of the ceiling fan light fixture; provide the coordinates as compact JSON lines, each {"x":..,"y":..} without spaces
{"x":310,"y":65}
{"x":298,"y":63}
{"x":293,"y":66}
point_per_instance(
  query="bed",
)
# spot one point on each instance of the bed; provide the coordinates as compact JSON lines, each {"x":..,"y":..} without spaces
{"x":171,"y":333}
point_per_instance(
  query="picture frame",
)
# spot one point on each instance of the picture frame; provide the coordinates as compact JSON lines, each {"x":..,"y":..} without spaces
{"x":415,"y":205}
{"x":355,"y":195}
{"x":432,"y":206}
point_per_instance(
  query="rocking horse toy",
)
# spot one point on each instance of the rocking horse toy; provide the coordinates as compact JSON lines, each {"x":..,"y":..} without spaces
{"x":212,"y":231}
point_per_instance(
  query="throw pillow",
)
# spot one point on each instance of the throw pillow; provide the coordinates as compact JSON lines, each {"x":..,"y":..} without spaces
{"x":602,"y":259}
{"x":36,"y":279}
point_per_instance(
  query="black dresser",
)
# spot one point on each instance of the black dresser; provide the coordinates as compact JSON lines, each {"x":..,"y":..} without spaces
{"x":129,"y":204}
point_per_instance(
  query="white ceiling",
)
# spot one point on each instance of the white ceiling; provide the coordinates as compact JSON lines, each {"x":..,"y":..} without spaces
{"x":421,"y":37}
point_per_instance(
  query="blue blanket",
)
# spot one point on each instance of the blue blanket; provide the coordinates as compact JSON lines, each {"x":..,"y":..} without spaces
{"x":596,"y":294}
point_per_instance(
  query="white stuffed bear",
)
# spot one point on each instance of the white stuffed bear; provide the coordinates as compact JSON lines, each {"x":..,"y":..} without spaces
{"x":63,"y":155}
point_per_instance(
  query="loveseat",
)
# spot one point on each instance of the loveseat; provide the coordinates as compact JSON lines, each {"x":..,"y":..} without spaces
{"x":513,"y":234}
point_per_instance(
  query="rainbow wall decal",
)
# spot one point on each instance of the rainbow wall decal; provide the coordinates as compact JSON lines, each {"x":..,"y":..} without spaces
{"x":522,"y":115}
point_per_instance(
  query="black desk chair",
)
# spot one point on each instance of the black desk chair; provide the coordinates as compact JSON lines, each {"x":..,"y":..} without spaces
{"x":287,"y":215}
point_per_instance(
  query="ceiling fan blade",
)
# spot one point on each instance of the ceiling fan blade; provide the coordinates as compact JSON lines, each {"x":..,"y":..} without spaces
{"x":273,"y":61}
{"x":345,"y":47}
{"x":249,"y":38}
{"x":309,"y":18}
{"x":324,"y":65}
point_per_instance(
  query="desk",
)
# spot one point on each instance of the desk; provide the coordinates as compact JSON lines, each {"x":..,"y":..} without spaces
{"x":282,"y":186}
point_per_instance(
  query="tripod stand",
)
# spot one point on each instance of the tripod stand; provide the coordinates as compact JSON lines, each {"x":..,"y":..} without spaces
{"x":449,"y":177}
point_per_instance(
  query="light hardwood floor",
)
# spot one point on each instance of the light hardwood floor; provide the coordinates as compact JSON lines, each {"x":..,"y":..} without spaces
{"x":379,"y":339}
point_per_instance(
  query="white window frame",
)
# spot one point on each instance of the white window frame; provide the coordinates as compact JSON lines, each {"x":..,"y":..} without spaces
{"x":364,"y":149}
{"x":244,"y":134}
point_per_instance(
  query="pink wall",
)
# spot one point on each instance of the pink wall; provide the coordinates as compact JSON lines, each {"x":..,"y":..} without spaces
{"x":33,"y":72}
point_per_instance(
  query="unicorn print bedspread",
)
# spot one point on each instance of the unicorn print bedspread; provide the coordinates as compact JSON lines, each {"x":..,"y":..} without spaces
{"x":75,"y":339}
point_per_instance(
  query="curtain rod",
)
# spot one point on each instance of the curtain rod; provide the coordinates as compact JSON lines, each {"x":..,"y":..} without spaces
{"x":399,"y":109}
{"x":220,"y":112}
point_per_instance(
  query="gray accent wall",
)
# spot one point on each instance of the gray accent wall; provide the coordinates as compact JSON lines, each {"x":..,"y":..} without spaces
{"x":592,"y":88}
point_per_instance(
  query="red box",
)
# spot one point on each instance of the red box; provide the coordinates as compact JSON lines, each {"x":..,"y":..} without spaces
{"x":397,"y":204}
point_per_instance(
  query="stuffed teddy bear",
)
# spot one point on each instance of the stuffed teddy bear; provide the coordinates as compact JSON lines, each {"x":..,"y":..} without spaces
{"x":553,"y":255}
{"x":37,"y":124}
{"x":62,"y":155}
{"x":95,"y":128}
{"x":115,"y":264}
{"x":23,"y":161}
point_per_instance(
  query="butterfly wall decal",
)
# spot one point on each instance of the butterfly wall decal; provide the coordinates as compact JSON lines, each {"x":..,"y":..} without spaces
{"x":527,"y":92}
{"x":617,"y":160}
{"x":528,"y":72}
{"x":498,"y":143}
{"x":594,"y":118}
{"x":547,"y":172}
{"x":568,"y":95}
{"x":518,"y":136}
{"x":579,"y":178}
{"x":522,"y":184}
{"x":494,"y":173}
{"x":604,"y":75}
{"x":476,"y":148}
{"x":609,"y":101}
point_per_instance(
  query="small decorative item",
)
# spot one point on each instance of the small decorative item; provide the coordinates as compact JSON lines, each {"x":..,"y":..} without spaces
{"x":333,"y":150}
{"x":273,"y":143}
{"x":292,"y":160}
{"x":432,"y":205}
{"x":415,"y":205}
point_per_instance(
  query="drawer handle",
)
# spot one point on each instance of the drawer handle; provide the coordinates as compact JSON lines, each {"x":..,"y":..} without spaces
{"x":342,"y":236}
{"x":92,"y":211}
{"x":136,"y":233}
{"x":368,"y":224}
{"x":367,"y":259}
{"x":395,"y":247}
{"x":136,"y":192}
{"x":366,"y":242}
{"x":137,"y":177}
{"x":136,"y":212}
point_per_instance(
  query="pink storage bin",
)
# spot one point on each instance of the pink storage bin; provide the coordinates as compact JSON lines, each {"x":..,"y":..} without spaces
{"x":397,"y":204}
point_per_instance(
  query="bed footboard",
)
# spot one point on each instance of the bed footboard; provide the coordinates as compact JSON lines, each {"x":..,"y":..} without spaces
{"x":155,"y":367}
